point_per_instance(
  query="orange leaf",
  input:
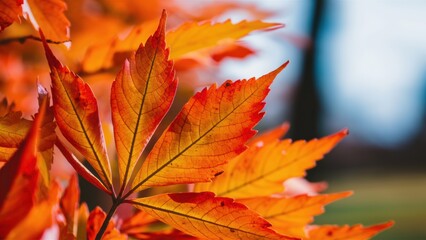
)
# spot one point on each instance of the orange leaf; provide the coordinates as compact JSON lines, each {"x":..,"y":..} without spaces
{"x":187,"y":38}
{"x":208,"y":217}
{"x":101,"y":55}
{"x":195,"y":36}
{"x":262,"y":169}
{"x":291,"y":215}
{"x":356,"y":232}
{"x":40,"y":218}
{"x":233,"y":50}
{"x":211,"y":129}
{"x":94,"y":223}
{"x":19,"y":178}
{"x":10,"y":11}
{"x":141,"y":95}
{"x":69,"y":204}
{"x":77,"y":116}
{"x":48,"y":15}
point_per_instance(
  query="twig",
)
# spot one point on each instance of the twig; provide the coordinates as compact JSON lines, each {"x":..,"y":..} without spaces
{"x":26,"y":37}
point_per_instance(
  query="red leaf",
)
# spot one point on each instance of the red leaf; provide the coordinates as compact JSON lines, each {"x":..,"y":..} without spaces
{"x":19,"y":179}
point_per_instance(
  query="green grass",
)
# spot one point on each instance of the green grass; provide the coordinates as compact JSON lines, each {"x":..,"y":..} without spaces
{"x":380,"y":198}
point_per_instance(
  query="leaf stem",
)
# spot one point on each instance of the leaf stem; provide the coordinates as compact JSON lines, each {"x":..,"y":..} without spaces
{"x":115,"y":204}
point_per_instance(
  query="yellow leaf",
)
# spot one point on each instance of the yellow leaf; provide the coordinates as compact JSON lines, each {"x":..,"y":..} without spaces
{"x":195,"y":36}
{"x":262,"y":169}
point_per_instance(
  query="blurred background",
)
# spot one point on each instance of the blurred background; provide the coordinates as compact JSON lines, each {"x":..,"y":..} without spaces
{"x":357,"y":64}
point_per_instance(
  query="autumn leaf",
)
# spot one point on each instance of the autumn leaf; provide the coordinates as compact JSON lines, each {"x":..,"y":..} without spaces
{"x":48,"y":15}
{"x":208,"y":217}
{"x":211,"y":128}
{"x":101,"y":55}
{"x":13,"y":129}
{"x":19,"y":179}
{"x":94,"y":222}
{"x":77,"y":116}
{"x":291,"y":215}
{"x":141,"y":95}
{"x":196,"y":36}
{"x":356,"y":232}
{"x":10,"y":11}
{"x":262,"y":169}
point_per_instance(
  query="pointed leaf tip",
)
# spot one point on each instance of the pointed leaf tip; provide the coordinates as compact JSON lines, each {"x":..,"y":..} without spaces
{"x":51,"y":59}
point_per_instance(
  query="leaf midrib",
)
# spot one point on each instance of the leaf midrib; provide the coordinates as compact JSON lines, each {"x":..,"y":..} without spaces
{"x":196,"y":218}
{"x":139,"y":118}
{"x":198,"y":139}
{"x":85,"y":134}
{"x":262,"y":176}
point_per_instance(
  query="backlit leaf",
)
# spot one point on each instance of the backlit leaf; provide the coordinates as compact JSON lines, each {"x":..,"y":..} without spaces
{"x":208,"y":217}
{"x":49,"y":16}
{"x":77,"y":116}
{"x":291,"y":215}
{"x":187,"y":38}
{"x":195,"y":36}
{"x":262,"y":169}
{"x":346,"y":232}
{"x":211,"y":128}
{"x":141,"y":95}
{"x":10,"y":11}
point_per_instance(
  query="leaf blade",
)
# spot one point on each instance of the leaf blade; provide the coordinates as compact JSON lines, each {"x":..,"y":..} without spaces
{"x":77,"y":116}
{"x":205,"y":216}
{"x":19,"y":178}
{"x":136,"y":106}
{"x":48,"y":15}
{"x":261,"y":170}
{"x":11,"y":9}
{"x":197,"y":135}
{"x":195,"y":36}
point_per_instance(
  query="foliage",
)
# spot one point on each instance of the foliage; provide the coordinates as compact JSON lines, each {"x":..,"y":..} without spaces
{"x":234,"y":181}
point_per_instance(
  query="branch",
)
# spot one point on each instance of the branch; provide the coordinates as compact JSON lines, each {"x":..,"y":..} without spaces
{"x":30,"y":37}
